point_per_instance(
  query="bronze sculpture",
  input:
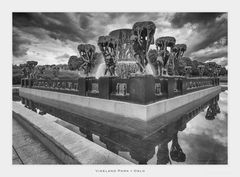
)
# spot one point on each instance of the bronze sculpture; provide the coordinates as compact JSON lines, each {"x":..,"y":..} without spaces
{"x":124,"y":47}
{"x":143,"y":36}
{"x":168,"y":59}
{"x":156,"y":61}
{"x":124,"y":53}
{"x":108,"y":47}
{"x":87,"y":56}
{"x":178,"y":51}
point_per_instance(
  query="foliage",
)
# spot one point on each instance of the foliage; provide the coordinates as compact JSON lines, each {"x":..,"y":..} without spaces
{"x":22,"y":70}
{"x":74,"y":63}
{"x":209,"y":68}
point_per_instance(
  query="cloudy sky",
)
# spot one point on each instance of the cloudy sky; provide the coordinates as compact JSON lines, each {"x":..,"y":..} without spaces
{"x":51,"y":38}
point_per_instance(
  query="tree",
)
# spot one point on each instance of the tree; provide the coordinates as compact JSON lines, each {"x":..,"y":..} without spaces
{"x":195,"y":71}
{"x":223,"y":71}
{"x":74,"y":63}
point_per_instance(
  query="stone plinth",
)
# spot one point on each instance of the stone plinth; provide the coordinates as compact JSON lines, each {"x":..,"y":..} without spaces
{"x":142,"y":89}
{"x":82,"y":86}
{"x":105,"y":87}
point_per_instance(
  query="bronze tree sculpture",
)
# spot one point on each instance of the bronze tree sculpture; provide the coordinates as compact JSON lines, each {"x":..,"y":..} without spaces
{"x":88,"y":56}
{"x":178,"y":51}
{"x":168,"y":59}
{"x":143,"y":36}
{"x":108,"y":47}
{"x":28,"y":69}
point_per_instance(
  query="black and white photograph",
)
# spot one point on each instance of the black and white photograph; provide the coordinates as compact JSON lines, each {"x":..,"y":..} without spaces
{"x":120,"y":88}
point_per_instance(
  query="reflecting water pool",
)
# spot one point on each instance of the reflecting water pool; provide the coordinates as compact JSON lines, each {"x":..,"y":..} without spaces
{"x":196,"y":140}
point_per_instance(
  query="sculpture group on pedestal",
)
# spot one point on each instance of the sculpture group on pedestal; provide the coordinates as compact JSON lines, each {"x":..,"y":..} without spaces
{"x":164,"y":55}
{"x":28,"y":69}
{"x":86,"y":61}
{"x":108,"y":47}
{"x":142,"y":37}
{"x":125,"y":52}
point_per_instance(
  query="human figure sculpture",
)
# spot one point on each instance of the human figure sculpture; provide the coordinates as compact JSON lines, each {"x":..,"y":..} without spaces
{"x":87,"y":56}
{"x":156,"y":60}
{"x":168,"y":58}
{"x":108,"y":47}
{"x":142,"y":37}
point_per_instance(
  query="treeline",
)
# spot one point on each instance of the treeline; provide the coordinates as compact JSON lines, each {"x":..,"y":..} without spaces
{"x":31,"y":67}
{"x":210,"y":68}
{"x":63,"y":70}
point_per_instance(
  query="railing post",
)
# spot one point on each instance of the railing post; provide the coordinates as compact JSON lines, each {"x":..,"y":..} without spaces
{"x":183,"y":86}
{"x":105,"y":87}
{"x":217,"y":81}
{"x":82,"y":86}
{"x":27,"y":83}
{"x":170,"y":87}
{"x":214,"y":81}
{"x":24,"y":82}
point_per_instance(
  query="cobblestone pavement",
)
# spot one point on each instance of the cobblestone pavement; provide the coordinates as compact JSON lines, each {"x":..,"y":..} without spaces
{"x":26,"y":149}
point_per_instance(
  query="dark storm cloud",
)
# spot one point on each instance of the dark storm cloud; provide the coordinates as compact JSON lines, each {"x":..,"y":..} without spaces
{"x":215,"y":31}
{"x":206,"y":23}
{"x":180,"y":19}
{"x":38,"y":31}
{"x":58,"y":25}
{"x":216,"y":50}
{"x":18,"y":47}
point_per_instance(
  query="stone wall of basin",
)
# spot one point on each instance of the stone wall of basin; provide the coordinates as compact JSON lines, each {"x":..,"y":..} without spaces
{"x":102,"y":109}
{"x":144,"y":89}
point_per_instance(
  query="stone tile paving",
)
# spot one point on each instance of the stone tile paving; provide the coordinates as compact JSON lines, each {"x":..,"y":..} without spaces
{"x":27,"y":149}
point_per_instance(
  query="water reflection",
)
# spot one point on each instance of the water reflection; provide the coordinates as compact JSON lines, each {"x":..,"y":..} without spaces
{"x":204,"y":141}
{"x":198,"y":141}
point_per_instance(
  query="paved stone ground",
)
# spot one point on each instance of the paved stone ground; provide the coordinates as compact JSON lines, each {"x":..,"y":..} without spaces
{"x":26,"y":149}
